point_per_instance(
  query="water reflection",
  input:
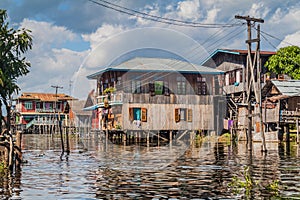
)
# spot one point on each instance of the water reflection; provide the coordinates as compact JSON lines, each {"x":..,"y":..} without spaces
{"x":97,"y":169}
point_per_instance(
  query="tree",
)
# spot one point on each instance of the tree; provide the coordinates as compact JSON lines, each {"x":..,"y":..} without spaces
{"x":13,"y":44}
{"x":286,"y":61}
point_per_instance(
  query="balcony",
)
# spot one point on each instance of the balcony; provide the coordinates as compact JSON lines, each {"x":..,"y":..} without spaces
{"x":43,"y":110}
{"x":146,"y":98}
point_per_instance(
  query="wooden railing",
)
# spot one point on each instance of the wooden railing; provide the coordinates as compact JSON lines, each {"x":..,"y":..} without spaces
{"x":147,"y":98}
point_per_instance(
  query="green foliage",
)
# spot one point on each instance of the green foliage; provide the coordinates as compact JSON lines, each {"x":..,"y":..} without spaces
{"x":109,"y":90}
{"x":118,"y":126}
{"x":2,"y":167}
{"x":247,"y":185}
{"x":286,"y":61}
{"x":13,"y":44}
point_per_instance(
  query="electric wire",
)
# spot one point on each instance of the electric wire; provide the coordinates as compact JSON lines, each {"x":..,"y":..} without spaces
{"x":269,"y":42}
{"x":274,"y":37}
{"x":171,"y":21}
{"x":165,"y":20}
{"x":173,"y":63}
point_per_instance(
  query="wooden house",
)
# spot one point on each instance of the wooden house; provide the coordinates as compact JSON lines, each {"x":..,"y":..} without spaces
{"x":281,"y":104}
{"x":157,"y":94}
{"x":41,"y":109}
{"x":233,"y":63}
{"x":234,"y":82}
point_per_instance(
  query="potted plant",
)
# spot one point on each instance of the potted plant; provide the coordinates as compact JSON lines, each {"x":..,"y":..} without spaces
{"x":109,"y":91}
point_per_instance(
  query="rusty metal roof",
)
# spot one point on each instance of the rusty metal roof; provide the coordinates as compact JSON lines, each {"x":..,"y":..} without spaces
{"x":288,"y":87}
{"x":44,"y":97}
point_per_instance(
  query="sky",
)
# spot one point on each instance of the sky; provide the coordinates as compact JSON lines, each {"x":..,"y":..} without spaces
{"x":76,"y":38}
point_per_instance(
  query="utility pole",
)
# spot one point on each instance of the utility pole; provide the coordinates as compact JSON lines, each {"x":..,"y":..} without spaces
{"x":56,"y":89}
{"x":253,"y":77}
{"x":58,"y":118}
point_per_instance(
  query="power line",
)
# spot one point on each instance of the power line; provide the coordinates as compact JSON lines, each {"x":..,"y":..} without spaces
{"x":164,"y":20}
{"x":274,"y":37}
{"x":264,"y":37}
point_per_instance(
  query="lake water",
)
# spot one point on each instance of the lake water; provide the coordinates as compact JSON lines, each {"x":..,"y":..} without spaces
{"x":100,"y":169}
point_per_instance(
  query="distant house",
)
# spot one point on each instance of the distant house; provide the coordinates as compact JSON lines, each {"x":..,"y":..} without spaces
{"x":78,"y":117}
{"x":233,"y":62}
{"x":156,"y":94}
{"x":281,"y":103}
{"x":37,"y":109}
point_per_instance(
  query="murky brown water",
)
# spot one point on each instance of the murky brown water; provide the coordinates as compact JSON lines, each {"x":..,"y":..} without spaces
{"x":96,"y":169}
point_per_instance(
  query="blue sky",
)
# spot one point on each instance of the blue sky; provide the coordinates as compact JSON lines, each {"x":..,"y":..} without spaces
{"x":73,"y":39}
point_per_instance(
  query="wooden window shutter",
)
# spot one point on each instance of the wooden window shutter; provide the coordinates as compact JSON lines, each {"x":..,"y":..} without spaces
{"x":177,"y":114}
{"x":131,"y":116}
{"x":144,"y":114}
{"x":189,"y":115}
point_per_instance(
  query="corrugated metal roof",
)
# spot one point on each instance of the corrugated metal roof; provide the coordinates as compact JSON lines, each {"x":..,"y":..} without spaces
{"x":44,"y":96}
{"x":236,"y":52}
{"x":228,"y":66}
{"x":158,"y":65}
{"x":288,"y":87}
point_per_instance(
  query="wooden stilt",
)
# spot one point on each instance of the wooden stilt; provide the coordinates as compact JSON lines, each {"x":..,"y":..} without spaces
{"x":67,"y":140}
{"x":11,"y":153}
{"x":148,"y":142}
{"x":297,"y":124}
{"x":158,"y":138}
{"x":61,"y":137}
{"x":18,"y":149}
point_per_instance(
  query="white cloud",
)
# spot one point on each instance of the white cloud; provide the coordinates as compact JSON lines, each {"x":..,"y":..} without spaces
{"x":259,"y":10}
{"x":277,"y":16}
{"x":212,"y":15}
{"x":189,"y":9}
{"x":50,"y":62}
{"x":46,"y":35}
{"x":102,"y":33}
{"x":291,"y":39}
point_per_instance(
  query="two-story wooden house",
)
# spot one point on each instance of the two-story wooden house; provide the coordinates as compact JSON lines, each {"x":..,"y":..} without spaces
{"x":234,"y":82}
{"x":157,"y":94}
{"x":37,"y":110}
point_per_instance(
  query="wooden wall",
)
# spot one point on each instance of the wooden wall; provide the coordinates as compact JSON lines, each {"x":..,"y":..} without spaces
{"x":162,"y":117}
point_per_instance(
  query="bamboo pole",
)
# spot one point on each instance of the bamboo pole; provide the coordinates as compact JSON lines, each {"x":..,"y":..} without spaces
{"x":18,"y":149}
{"x":297,"y":124}
{"x":61,"y":136}
{"x":11,"y":153}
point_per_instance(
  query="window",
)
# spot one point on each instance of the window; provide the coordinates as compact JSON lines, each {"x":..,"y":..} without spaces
{"x":201,"y":86}
{"x":177,"y":115}
{"x":48,"y":106}
{"x":166,"y":88}
{"x":28,"y":105}
{"x":58,"y":105}
{"x":183,"y":114}
{"x":144,"y":114}
{"x":158,"y":87}
{"x":181,"y":85}
{"x":38,"y":105}
{"x":138,"y":114}
{"x":136,"y":86}
{"x":189,"y":115}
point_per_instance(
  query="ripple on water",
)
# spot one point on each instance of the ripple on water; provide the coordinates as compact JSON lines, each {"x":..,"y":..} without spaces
{"x":95,"y":171}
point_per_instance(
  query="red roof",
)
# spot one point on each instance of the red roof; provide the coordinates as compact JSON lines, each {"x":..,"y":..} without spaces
{"x":246,"y":51}
{"x":44,"y":96}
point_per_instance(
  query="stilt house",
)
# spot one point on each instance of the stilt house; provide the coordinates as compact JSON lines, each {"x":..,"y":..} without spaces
{"x":37,"y":110}
{"x":281,"y":105}
{"x":157,"y":94}
{"x":234,"y":82}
